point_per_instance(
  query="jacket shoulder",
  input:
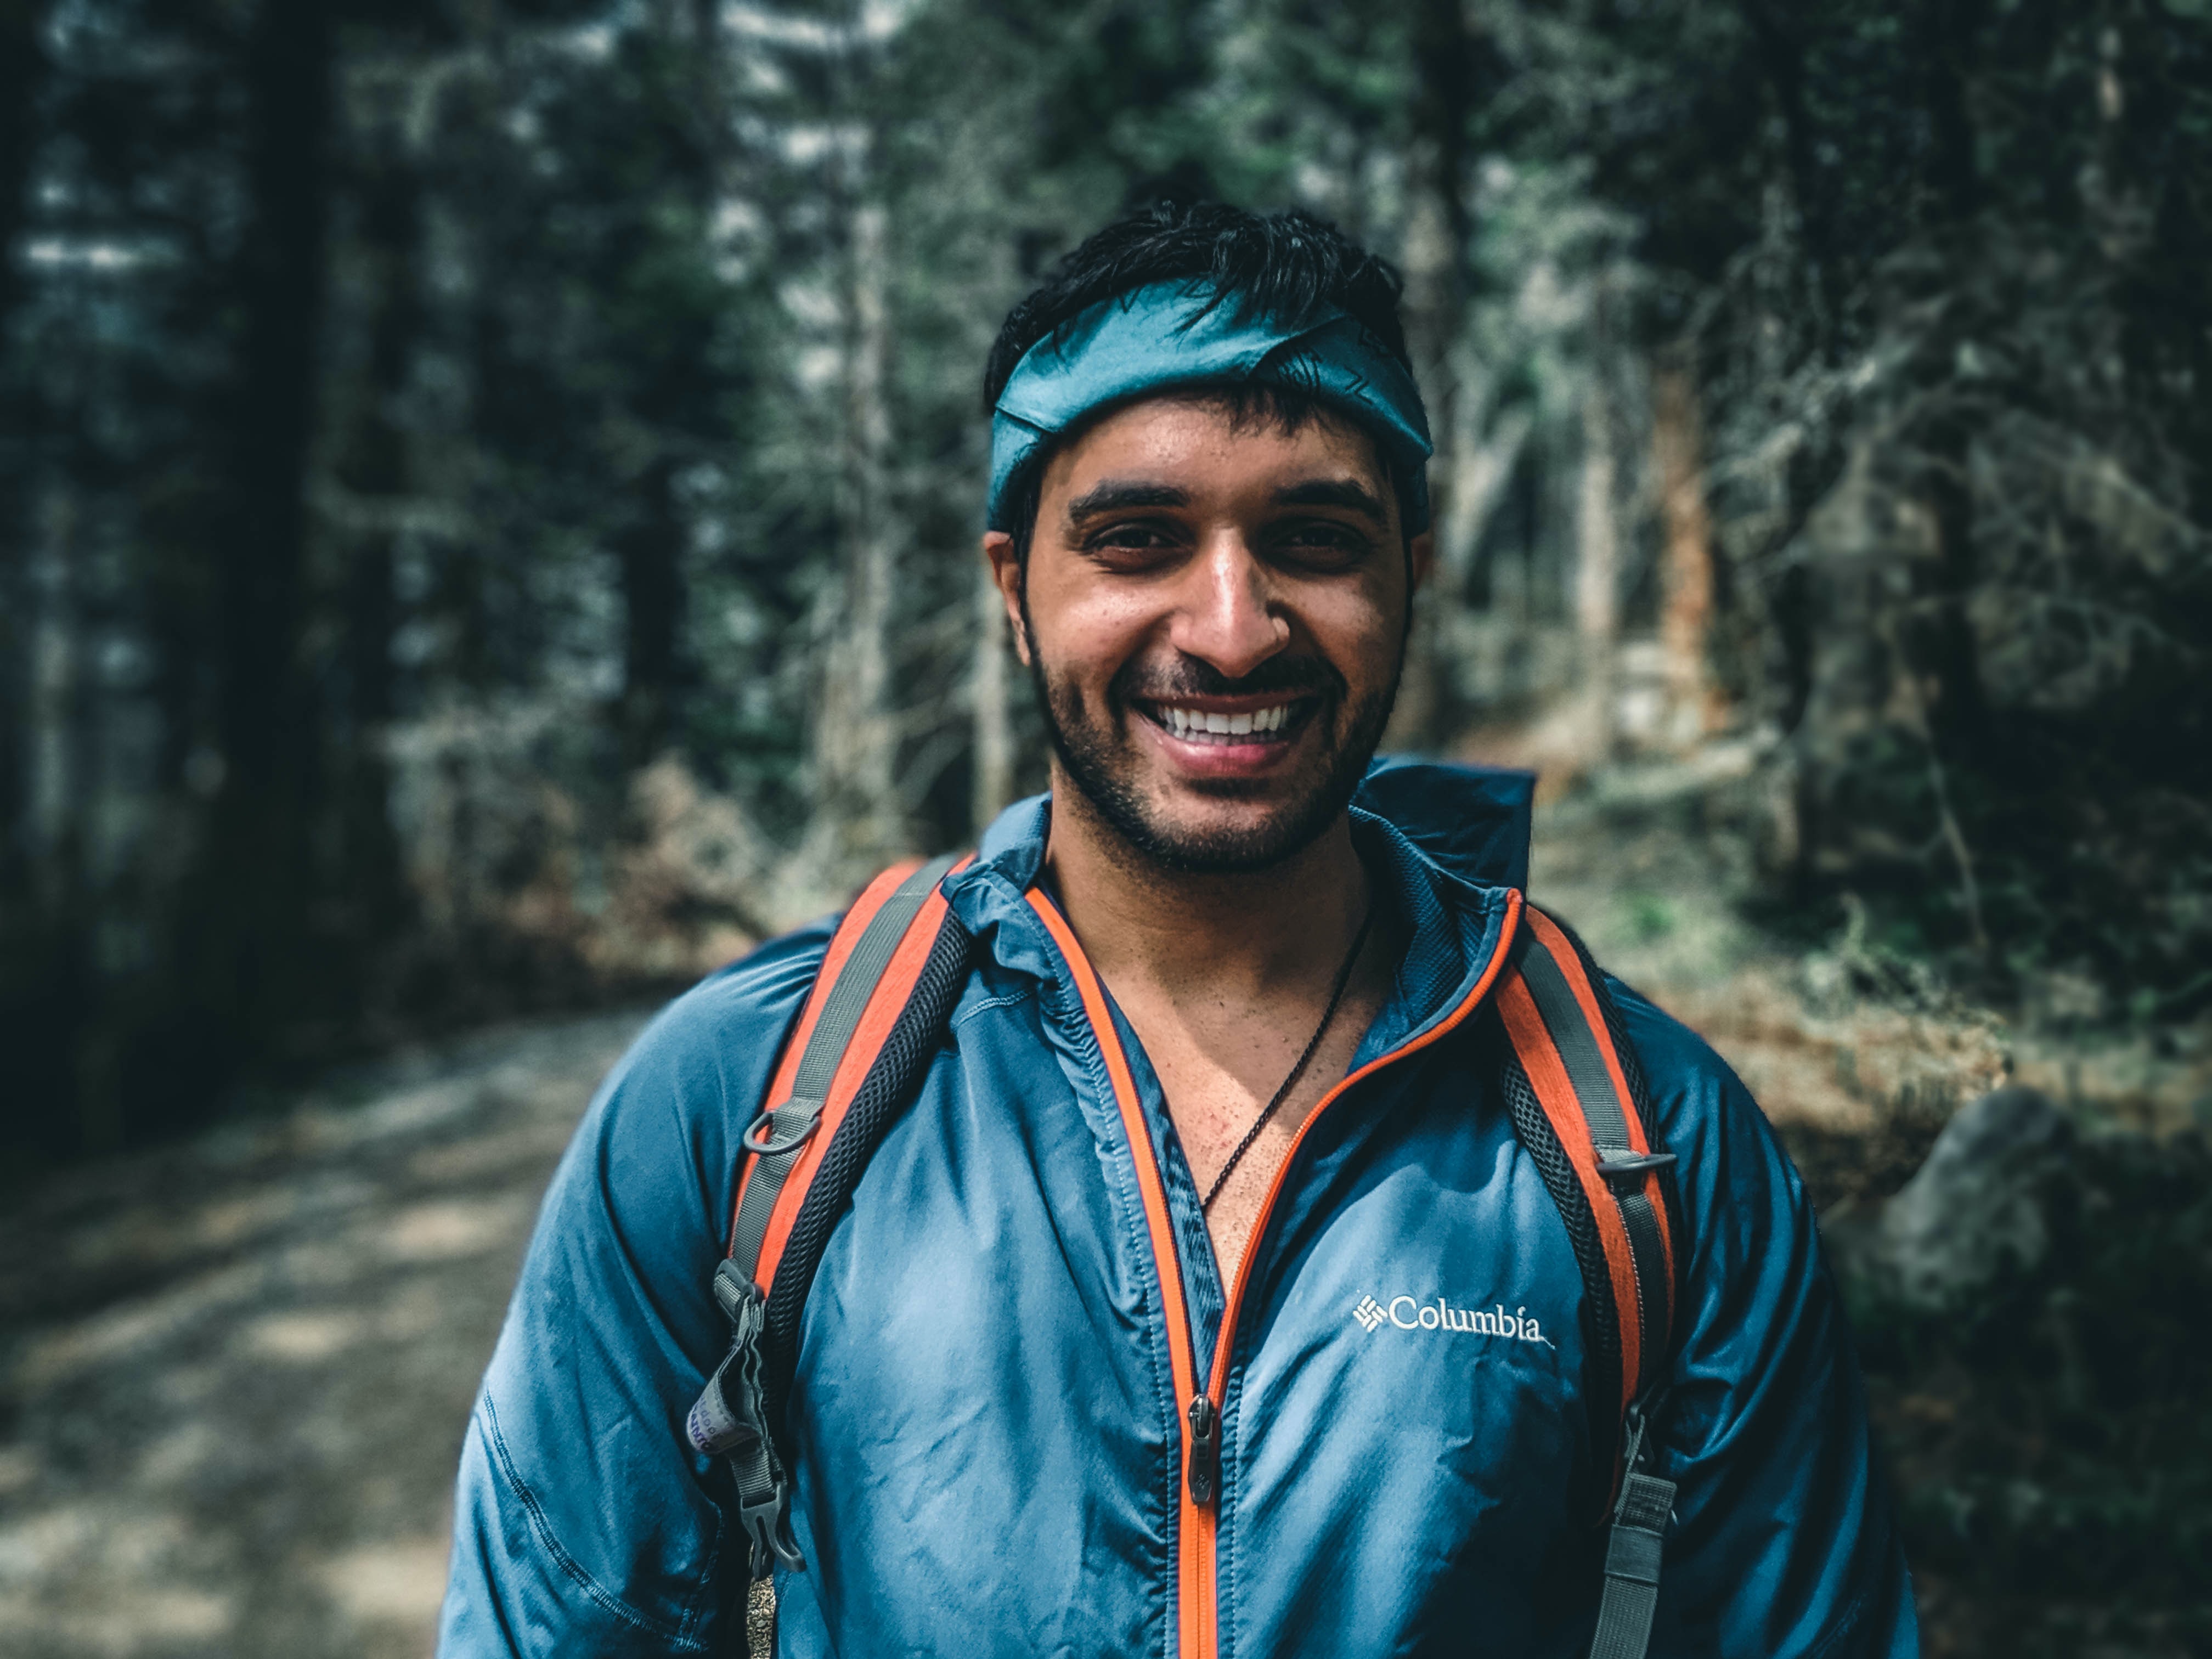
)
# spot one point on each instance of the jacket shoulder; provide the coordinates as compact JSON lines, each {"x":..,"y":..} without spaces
{"x":735,"y":1011}
{"x":1682,"y":1068}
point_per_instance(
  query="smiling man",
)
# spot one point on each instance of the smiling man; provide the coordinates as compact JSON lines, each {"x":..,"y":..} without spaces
{"x":1278,"y":1239}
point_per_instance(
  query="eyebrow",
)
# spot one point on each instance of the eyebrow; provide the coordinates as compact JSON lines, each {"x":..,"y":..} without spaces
{"x":1346,"y":493}
{"x":1119,"y":495}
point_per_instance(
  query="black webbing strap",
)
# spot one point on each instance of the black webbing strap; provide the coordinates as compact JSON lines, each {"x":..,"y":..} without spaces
{"x":790,"y":1125}
{"x":1632,"y":1550}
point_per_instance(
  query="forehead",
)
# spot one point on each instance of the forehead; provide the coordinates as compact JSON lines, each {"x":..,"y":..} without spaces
{"x":1203,"y":442}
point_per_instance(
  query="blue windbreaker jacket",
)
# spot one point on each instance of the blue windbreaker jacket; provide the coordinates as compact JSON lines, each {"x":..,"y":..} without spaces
{"x":985,"y":1415}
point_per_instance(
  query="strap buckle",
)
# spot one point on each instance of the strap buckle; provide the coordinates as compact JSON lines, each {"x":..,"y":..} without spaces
{"x":768,"y":1523}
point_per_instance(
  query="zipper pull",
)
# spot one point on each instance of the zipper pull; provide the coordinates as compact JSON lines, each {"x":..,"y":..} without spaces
{"x":1205,"y":1451}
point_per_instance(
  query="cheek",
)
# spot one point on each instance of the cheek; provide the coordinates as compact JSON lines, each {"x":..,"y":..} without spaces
{"x":1083,"y":631}
{"x":1361,"y":628}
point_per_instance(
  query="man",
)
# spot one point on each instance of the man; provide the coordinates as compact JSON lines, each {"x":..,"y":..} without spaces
{"x":1216,"y":1120}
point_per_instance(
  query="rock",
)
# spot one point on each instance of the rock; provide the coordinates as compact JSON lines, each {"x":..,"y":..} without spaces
{"x":1983,"y":1209}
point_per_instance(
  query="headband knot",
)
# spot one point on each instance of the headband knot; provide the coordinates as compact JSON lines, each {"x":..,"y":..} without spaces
{"x":1183,"y":334}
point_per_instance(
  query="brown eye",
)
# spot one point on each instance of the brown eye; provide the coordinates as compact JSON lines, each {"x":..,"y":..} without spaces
{"x":1322,"y":543}
{"x":1130,"y":543}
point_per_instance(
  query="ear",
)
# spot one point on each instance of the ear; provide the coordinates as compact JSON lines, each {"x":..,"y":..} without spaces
{"x":1421,"y":558}
{"x":1007,"y":575}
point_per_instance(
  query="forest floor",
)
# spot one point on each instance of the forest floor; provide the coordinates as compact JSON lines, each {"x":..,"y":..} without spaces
{"x":234,"y":1371}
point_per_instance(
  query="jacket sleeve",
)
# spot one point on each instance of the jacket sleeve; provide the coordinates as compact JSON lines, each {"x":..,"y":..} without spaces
{"x":583,"y":1521}
{"x":1783,"y":1543}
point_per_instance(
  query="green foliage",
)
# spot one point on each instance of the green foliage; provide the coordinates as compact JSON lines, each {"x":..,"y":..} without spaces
{"x":600,"y":445}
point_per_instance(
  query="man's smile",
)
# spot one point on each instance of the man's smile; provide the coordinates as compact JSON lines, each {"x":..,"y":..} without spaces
{"x":1232,"y":721}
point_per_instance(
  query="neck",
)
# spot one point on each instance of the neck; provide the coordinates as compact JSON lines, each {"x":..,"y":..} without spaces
{"x":1254,"y":931}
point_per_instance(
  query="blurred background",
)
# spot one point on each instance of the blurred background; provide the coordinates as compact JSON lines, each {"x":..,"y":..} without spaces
{"x":487,"y":505}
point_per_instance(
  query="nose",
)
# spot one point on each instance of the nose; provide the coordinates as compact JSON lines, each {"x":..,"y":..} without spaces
{"x":1225,"y":618}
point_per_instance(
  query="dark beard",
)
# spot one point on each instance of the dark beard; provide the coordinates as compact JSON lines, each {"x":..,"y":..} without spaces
{"x":1096,"y":759}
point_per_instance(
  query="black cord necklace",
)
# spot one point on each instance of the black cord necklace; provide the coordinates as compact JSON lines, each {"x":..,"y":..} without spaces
{"x":1327,"y":1014}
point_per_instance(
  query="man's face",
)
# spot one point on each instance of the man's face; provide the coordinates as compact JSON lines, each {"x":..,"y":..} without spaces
{"x":1215,"y":610}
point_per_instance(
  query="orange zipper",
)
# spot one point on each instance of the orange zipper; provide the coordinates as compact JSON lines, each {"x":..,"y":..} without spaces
{"x":1190,"y":1563}
{"x":1197,"y":1629}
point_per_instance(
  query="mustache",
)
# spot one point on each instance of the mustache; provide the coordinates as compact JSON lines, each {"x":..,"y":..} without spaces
{"x":1190,"y":677}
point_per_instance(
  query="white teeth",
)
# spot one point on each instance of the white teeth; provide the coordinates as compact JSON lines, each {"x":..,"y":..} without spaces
{"x":1184,"y":722}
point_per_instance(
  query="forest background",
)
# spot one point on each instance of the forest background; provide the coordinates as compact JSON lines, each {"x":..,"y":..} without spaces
{"x":488,"y":495}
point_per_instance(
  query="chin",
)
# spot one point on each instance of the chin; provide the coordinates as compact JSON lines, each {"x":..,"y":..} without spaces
{"x":1201,"y":843}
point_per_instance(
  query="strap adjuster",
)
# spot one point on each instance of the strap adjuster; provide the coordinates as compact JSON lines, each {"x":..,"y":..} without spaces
{"x":1620,"y":1162}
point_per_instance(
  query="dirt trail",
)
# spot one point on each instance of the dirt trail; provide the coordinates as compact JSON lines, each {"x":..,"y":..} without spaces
{"x":236,"y":1372}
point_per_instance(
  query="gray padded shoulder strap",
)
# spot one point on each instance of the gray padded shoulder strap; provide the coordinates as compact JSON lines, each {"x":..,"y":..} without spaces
{"x":785,"y":1131}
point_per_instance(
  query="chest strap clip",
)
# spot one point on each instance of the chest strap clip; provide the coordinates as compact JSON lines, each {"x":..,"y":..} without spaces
{"x":729,"y":1421}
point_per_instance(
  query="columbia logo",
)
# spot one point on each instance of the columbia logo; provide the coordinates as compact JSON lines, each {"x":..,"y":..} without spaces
{"x":1409,"y":1314}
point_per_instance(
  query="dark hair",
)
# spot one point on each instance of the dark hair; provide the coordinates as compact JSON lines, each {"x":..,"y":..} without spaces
{"x":1291,"y":266}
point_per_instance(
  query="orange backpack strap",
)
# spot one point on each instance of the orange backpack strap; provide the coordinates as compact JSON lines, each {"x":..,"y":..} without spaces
{"x":876,"y":1014}
{"x":1577,"y":1093}
{"x":1587,"y":1129}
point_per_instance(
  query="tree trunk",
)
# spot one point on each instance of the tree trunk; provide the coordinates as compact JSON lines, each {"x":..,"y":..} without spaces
{"x":22,"y":67}
{"x":1597,"y":573}
{"x":374,"y":468}
{"x":1687,"y":586}
{"x":56,"y":780}
{"x":61,"y":727}
{"x":1941,"y":637}
{"x":252,"y":912}
{"x":1438,"y":233}
{"x":652,"y":603}
{"x":993,"y":749}
{"x":1782,"y":61}
{"x":1951,"y":36}
{"x":857,"y":817}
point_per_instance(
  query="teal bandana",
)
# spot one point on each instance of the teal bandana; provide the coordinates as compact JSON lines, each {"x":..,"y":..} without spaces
{"x":1164,"y":335}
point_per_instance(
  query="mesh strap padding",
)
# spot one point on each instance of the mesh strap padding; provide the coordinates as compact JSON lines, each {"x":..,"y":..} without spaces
{"x":1600,"y":1322}
{"x":890,"y":1086}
